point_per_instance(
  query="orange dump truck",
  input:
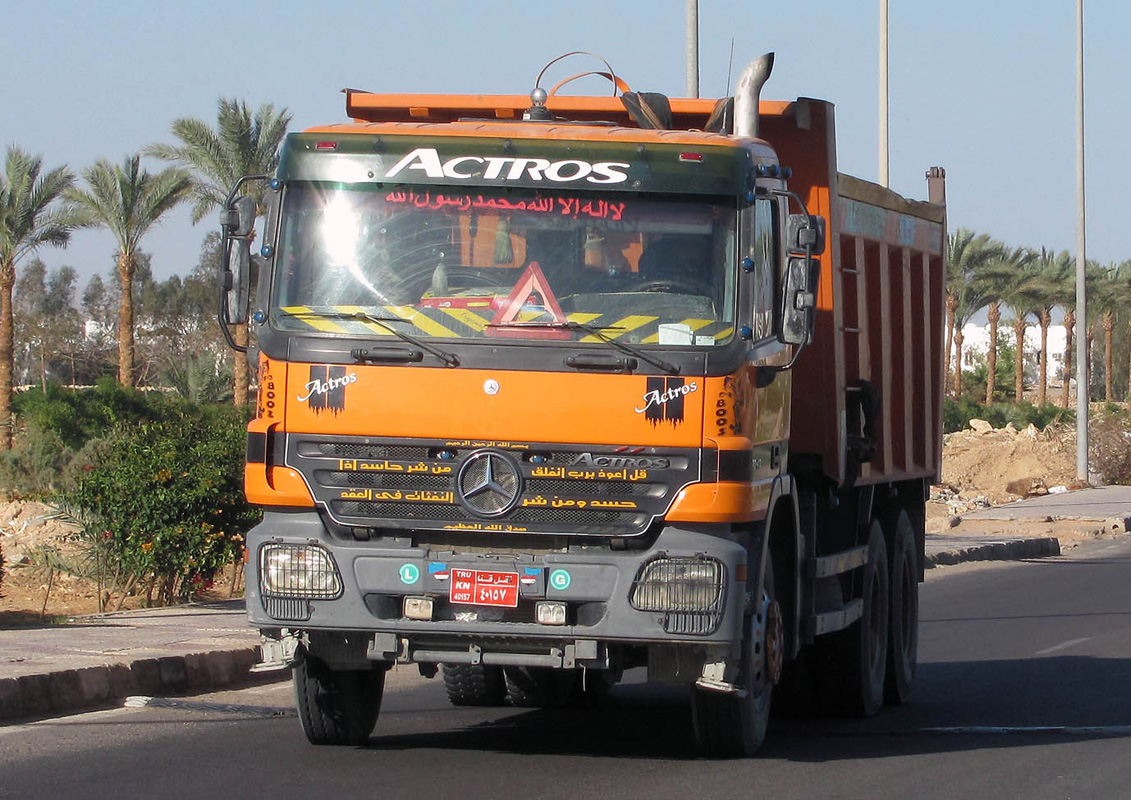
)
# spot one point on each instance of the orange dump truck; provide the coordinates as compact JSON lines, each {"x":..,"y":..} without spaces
{"x":553,"y":387}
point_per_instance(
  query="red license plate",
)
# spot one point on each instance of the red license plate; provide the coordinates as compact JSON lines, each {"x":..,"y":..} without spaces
{"x":484,"y":588}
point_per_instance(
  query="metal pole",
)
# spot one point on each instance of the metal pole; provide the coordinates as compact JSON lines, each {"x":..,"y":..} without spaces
{"x":884,"y":93}
{"x":1081,"y":263}
{"x":692,"y":48}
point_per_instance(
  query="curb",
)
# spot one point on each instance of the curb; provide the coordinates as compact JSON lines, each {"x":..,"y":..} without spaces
{"x":997,"y":551}
{"x":74,"y":690}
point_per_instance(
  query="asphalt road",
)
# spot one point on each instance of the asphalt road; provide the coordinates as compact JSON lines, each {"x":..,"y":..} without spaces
{"x":1022,"y":692}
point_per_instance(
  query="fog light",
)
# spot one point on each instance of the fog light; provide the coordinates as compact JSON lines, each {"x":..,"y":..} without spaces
{"x":679,"y":584}
{"x":298,"y":570}
{"x":418,"y":608}
{"x":690,"y":592}
{"x":550,"y":613}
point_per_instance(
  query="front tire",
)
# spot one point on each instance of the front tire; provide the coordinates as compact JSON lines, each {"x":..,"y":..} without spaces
{"x":734,"y":725}
{"x":337,"y":707}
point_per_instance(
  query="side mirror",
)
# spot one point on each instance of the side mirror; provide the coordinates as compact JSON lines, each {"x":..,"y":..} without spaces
{"x":799,"y":300}
{"x":805,"y":234}
{"x":237,"y":223}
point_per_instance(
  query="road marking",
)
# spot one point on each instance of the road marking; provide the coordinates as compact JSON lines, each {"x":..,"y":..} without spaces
{"x":1062,"y":646}
{"x":139,"y":701}
{"x":1067,"y":730}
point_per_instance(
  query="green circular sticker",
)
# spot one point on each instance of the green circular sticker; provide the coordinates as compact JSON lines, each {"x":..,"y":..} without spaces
{"x":560,"y":579}
{"x":410,"y":573}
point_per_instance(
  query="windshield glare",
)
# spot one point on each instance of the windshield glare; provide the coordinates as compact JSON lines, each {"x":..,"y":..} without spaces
{"x":446,"y":263}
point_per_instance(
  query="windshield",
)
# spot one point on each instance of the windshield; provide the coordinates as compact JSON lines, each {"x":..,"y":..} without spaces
{"x":448,"y":264}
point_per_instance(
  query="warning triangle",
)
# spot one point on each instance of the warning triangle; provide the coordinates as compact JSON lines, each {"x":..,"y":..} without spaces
{"x":531,"y":298}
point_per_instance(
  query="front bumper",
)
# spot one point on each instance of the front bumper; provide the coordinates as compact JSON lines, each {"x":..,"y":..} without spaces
{"x":595,"y":584}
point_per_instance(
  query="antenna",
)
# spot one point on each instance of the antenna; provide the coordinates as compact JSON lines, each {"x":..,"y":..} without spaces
{"x":730,"y":67}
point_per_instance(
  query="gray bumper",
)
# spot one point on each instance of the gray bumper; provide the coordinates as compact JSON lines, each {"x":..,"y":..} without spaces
{"x":595,"y":583}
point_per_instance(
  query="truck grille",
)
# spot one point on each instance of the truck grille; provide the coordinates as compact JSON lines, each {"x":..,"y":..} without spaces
{"x":506,"y":487}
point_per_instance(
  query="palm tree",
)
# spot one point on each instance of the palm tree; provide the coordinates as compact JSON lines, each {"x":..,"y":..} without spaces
{"x":1112,"y":293}
{"x":128,"y":201}
{"x":967,"y":255}
{"x":970,"y":298}
{"x":998,"y":279}
{"x":29,"y":219}
{"x":1053,"y":271}
{"x":241,"y":144}
{"x":1022,"y":298}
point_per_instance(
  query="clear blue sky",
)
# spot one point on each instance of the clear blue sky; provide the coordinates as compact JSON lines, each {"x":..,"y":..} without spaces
{"x":984,"y":88}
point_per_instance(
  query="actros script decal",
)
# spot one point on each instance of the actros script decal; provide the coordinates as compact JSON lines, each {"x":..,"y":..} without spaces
{"x":326,"y":388}
{"x":664,"y":399}
{"x":510,"y":168}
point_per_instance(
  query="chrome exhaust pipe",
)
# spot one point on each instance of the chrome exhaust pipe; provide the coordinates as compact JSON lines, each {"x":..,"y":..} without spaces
{"x":746,"y":95}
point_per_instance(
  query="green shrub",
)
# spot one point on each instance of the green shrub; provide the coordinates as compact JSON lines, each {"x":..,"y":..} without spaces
{"x":958,"y":413}
{"x":1022,"y":415}
{"x":163,"y":500}
{"x":55,"y":424}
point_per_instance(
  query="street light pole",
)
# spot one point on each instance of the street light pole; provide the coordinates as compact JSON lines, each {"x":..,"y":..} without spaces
{"x":884,"y":93}
{"x":692,"y":48}
{"x":1081,"y":263}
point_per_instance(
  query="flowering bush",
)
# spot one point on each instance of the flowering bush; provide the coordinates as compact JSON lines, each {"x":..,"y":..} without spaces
{"x":162,"y":501}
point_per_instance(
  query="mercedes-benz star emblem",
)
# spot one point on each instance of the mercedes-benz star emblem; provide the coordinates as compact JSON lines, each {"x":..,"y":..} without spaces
{"x":489,"y":484}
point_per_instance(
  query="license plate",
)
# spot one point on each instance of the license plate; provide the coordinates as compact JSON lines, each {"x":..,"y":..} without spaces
{"x":484,"y":588}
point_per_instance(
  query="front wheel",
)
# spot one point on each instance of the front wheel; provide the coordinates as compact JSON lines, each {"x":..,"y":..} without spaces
{"x":337,"y":707}
{"x":733,"y":725}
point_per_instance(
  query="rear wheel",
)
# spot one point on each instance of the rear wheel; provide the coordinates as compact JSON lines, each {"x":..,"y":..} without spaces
{"x":541,"y":687}
{"x":903,"y":634}
{"x":856,"y":658}
{"x":337,"y":707}
{"x":733,"y":725}
{"x":474,"y":685}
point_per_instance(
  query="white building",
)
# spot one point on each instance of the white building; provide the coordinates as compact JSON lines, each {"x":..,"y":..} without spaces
{"x":976,"y":340}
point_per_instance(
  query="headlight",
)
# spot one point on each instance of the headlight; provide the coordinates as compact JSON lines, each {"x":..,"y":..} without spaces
{"x":298,"y":570}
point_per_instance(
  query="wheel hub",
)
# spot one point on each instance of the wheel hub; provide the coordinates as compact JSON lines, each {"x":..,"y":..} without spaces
{"x":769,"y":640}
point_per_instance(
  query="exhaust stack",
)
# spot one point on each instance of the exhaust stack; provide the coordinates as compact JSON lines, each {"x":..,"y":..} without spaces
{"x":746,"y":94}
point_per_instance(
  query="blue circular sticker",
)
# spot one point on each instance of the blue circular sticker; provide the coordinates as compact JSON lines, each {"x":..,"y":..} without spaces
{"x":560,"y":579}
{"x":410,"y":573}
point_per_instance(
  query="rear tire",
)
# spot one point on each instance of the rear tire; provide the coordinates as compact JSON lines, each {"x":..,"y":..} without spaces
{"x":727,"y":725}
{"x":337,"y":707}
{"x":856,"y":658}
{"x":903,"y":632}
{"x":541,"y":687}
{"x":474,"y":684}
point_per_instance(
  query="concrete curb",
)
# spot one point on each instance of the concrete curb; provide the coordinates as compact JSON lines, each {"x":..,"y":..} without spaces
{"x":996,"y":551}
{"x":74,"y":690}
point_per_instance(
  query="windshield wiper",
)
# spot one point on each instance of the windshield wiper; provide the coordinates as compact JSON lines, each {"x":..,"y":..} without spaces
{"x":599,"y":332}
{"x":450,"y":359}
